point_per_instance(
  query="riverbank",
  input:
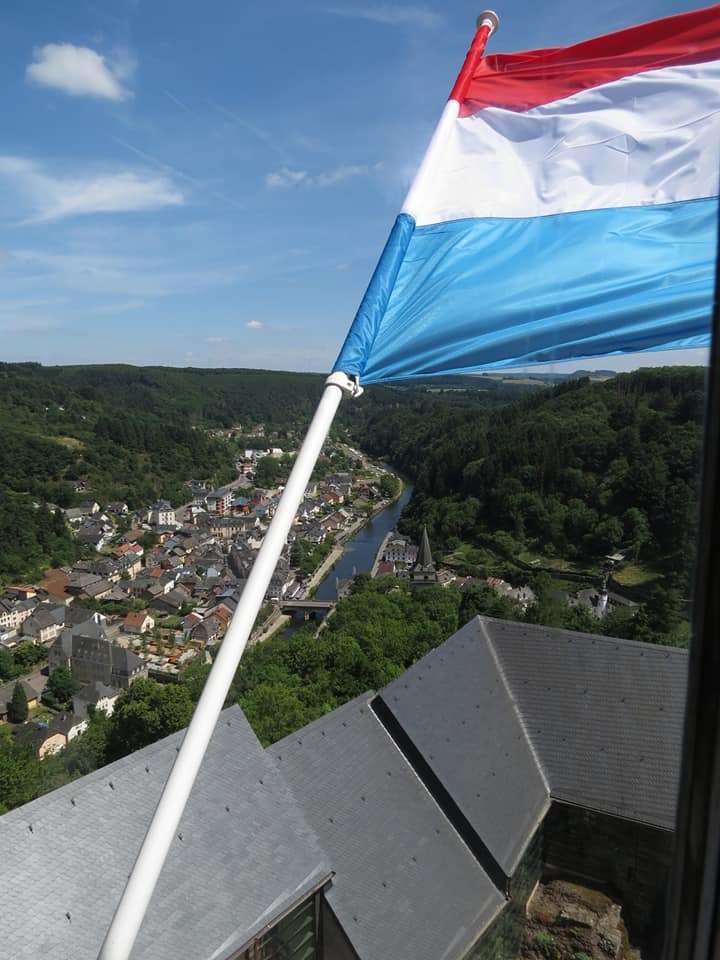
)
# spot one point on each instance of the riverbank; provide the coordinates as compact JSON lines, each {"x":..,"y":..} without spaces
{"x":378,"y":555}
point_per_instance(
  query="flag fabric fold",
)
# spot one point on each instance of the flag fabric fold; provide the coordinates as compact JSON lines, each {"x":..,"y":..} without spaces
{"x":570,"y":211}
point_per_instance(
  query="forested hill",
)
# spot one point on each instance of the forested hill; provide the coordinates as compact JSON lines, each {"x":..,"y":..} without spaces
{"x":573,"y":472}
{"x":138,"y":433}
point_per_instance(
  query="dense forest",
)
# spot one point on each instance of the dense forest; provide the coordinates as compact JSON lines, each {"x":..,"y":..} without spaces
{"x":138,"y":433}
{"x":567,"y":476}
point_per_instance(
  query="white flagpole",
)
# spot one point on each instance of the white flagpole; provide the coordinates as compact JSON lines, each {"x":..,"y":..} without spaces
{"x":129,"y":915}
{"x":143,"y":878}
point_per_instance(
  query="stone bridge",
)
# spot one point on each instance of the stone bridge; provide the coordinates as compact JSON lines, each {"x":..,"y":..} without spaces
{"x":307,"y":609}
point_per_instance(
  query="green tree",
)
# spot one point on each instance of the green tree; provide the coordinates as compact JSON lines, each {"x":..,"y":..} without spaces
{"x":8,"y":668}
{"x":274,"y":710}
{"x":18,"y":706}
{"x":88,"y":751}
{"x":145,"y":713}
{"x":62,"y":685}
{"x":664,"y":609}
{"x":637,"y":529}
{"x":20,"y":775}
{"x":389,"y":486}
{"x":27,"y":654}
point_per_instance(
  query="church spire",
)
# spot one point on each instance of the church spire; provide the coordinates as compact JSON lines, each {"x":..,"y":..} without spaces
{"x":424,"y":573}
{"x":425,"y":560}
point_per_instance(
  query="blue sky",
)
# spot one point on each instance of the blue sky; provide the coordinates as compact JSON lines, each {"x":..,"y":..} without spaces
{"x":210,"y":184}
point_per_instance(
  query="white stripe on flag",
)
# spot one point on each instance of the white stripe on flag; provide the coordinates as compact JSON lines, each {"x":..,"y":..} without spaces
{"x":653,"y":137}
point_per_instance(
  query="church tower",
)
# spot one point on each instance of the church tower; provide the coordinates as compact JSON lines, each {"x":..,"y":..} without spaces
{"x":424,"y":574}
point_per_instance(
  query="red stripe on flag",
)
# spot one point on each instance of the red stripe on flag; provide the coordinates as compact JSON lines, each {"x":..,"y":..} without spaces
{"x":520,"y":81}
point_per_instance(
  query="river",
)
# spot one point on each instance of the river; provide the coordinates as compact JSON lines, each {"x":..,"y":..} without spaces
{"x":360,"y":551}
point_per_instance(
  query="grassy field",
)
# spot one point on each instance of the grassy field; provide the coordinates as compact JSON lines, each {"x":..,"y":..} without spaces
{"x":635,"y":575}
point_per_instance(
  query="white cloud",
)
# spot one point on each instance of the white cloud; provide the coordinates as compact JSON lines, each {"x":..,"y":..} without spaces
{"x":125,"y":306}
{"x":254,"y":324}
{"x":55,"y":197}
{"x":80,"y":71}
{"x":390,"y":14}
{"x":286,"y":177}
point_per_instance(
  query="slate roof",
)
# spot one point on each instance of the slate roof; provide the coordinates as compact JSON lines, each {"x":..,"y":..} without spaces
{"x":509,"y":715}
{"x":406,"y":886}
{"x":7,"y":689}
{"x":233,"y":871}
{"x":605,"y":716}
{"x":456,"y":708}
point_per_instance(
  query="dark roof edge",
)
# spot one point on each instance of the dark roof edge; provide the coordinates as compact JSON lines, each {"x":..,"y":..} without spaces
{"x":314,"y":882}
{"x":609,"y":813}
{"x":439,"y":793}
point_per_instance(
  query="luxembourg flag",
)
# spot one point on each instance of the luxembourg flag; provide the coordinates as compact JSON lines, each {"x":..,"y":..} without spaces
{"x":567,"y":207}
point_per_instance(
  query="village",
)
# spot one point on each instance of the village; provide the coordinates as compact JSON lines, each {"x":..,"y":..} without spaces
{"x":156,"y":588}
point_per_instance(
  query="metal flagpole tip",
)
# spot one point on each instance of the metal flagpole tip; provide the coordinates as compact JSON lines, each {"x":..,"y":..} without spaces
{"x":488,"y":18}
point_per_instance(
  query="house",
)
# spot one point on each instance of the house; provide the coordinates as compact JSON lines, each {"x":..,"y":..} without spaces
{"x":47,"y":739}
{"x":170,"y":602}
{"x":94,"y":534}
{"x":138,"y":623}
{"x":599,"y":603}
{"x":129,"y":549}
{"x":21,"y":591}
{"x":208,"y":631}
{"x":75,"y":515}
{"x":400,"y":549}
{"x":86,"y":650}
{"x":14,"y":612}
{"x":279,"y":581}
{"x":220,"y":501}
{"x":161,"y":514}
{"x":6,"y":692}
{"x":89,"y":585}
{"x":524,"y":595}
{"x":45,"y":623}
{"x":118,"y":507}
{"x":94,"y":696}
{"x":315,"y":533}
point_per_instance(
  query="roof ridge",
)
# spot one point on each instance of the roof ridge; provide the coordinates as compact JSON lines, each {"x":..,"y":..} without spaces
{"x":516,"y":708}
{"x":658,"y":648}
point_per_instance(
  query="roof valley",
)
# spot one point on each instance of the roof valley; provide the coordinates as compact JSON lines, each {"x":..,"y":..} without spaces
{"x":439,"y":794}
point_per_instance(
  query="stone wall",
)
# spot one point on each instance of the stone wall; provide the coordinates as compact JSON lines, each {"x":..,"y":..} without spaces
{"x":632,"y":860}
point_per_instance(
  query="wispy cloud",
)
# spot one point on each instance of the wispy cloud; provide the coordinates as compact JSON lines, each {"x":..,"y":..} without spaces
{"x":56,"y":197}
{"x":390,"y":14}
{"x":107,"y":275}
{"x":81,"y":71}
{"x":176,"y":172}
{"x":126,"y":306}
{"x":263,"y":136}
{"x":254,"y":324}
{"x":287,"y":177}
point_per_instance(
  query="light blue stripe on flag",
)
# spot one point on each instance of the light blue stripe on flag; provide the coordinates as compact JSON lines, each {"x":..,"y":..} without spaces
{"x":481,"y":294}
